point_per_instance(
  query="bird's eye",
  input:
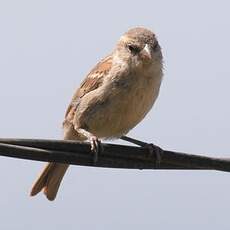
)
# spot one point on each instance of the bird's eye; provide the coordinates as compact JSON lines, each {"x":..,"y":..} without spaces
{"x":133,"y":49}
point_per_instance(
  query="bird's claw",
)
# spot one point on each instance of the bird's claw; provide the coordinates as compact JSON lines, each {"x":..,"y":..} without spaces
{"x":153,"y":149}
{"x":95,"y":147}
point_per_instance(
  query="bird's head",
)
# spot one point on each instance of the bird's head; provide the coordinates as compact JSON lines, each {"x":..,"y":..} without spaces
{"x":139,"y":48}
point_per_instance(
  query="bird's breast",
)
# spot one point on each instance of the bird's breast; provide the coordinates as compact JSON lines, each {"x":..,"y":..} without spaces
{"x":125,"y":105}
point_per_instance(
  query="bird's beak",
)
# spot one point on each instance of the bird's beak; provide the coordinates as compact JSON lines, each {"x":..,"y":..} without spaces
{"x":147,"y":52}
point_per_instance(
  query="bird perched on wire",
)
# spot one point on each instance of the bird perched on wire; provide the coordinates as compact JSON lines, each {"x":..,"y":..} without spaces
{"x":114,"y":97}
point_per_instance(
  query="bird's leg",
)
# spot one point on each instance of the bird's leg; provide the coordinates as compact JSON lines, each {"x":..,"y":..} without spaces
{"x":96,"y":146}
{"x":151,"y":147}
{"x":134,"y":141}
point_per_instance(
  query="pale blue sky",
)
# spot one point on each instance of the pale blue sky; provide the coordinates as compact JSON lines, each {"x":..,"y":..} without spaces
{"x":47,"y":47}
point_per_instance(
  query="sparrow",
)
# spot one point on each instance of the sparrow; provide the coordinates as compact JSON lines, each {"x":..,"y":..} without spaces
{"x":114,"y":97}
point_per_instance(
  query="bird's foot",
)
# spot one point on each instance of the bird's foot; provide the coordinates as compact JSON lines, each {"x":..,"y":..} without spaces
{"x":95,"y":143}
{"x":96,"y":147}
{"x":153,"y":149}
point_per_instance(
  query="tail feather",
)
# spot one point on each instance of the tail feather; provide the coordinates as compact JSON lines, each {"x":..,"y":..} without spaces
{"x":51,"y":176}
{"x":49,"y":180}
{"x":41,"y":181}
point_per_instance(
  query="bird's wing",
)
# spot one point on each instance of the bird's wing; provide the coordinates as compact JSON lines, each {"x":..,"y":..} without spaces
{"x":92,"y":81}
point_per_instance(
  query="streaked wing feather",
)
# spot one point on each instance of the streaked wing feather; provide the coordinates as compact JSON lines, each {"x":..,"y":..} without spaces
{"x":92,"y":81}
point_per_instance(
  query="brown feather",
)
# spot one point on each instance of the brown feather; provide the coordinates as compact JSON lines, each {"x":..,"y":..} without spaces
{"x":92,"y":81}
{"x":51,"y":176}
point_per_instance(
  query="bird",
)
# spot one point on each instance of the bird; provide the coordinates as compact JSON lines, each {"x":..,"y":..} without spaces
{"x":113,"y":98}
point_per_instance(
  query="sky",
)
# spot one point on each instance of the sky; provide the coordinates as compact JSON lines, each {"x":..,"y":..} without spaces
{"x":47,"y":48}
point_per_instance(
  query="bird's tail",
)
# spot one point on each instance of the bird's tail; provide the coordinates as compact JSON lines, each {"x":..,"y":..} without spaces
{"x":49,"y":180}
{"x":51,"y":176}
